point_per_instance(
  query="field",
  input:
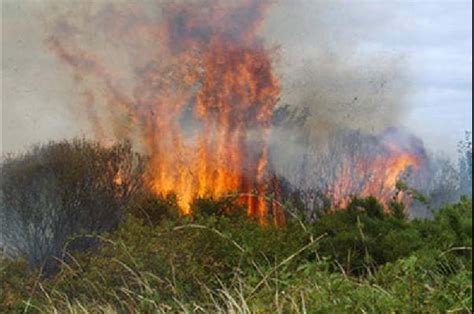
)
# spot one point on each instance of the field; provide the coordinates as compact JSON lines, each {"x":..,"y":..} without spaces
{"x":79,"y":239}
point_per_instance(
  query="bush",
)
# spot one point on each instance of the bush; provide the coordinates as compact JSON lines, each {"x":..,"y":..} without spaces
{"x":63,"y":189}
{"x":363,"y":237}
{"x":226,"y":263}
{"x":152,"y":209}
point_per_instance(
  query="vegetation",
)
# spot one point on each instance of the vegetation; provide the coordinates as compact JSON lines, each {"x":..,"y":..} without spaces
{"x":355,"y":260}
{"x":149,"y":259}
{"x":61,"y":189}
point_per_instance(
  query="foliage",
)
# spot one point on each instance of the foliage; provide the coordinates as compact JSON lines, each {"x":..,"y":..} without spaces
{"x":61,"y":198}
{"x":63,"y":189}
{"x":152,"y":209}
{"x":209,"y":206}
{"x":360,"y":259}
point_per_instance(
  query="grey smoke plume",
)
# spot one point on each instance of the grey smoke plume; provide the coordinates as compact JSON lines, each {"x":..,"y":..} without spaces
{"x":328,"y":66}
{"x":322,"y":63}
{"x":334,"y":78}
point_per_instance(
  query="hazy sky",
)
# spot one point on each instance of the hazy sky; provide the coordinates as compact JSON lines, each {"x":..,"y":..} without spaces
{"x":436,"y":35}
{"x":432,"y":38}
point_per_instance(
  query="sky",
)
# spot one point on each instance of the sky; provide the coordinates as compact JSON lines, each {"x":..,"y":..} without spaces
{"x":437,"y":37}
{"x":425,"y":44}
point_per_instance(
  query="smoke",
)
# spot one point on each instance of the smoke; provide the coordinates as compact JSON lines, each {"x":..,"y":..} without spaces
{"x":322,"y":59}
{"x":329,"y":71}
{"x":336,"y":77}
{"x":329,"y":65}
{"x":322,"y":56}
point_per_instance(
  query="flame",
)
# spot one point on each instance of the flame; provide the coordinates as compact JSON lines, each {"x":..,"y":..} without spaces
{"x":375,"y":175}
{"x":195,"y":88}
{"x":203,"y":99}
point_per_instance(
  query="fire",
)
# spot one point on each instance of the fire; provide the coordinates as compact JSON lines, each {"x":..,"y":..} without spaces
{"x":203,"y":99}
{"x":233,"y":107}
{"x":377,"y":174}
{"x":194,"y":87}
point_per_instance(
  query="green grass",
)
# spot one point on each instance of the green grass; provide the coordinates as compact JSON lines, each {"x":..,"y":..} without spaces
{"x":357,"y":260}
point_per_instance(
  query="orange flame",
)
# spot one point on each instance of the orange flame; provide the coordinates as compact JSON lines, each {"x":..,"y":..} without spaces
{"x":199,"y":100}
{"x":203,"y":103}
{"x":376,"y":176}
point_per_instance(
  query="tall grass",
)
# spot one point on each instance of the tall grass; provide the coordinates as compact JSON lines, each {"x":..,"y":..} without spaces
{"x":219,"y":264}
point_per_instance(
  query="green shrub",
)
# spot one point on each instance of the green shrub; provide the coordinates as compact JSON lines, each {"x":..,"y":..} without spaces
{"x":362,"y":236}
{"x":152,"y":209}
{"x":356,"y":260}
{"x":223,"y":206}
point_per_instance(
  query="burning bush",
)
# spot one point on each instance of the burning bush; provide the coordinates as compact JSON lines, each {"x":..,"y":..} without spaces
{"x":351,"y":163}
{"x":62,"y":189}
{"x":201,"y":97}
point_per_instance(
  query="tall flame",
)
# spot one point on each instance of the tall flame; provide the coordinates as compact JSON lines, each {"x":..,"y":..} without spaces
{"x":194,"y":87}
{"x":203,"y":98}
{"x":233,"y":106}
{"x":377,"y":173}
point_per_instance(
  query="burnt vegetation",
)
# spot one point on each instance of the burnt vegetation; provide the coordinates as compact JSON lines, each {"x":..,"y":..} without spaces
{"x":79,"y":231}
{"x":60,"y":190}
